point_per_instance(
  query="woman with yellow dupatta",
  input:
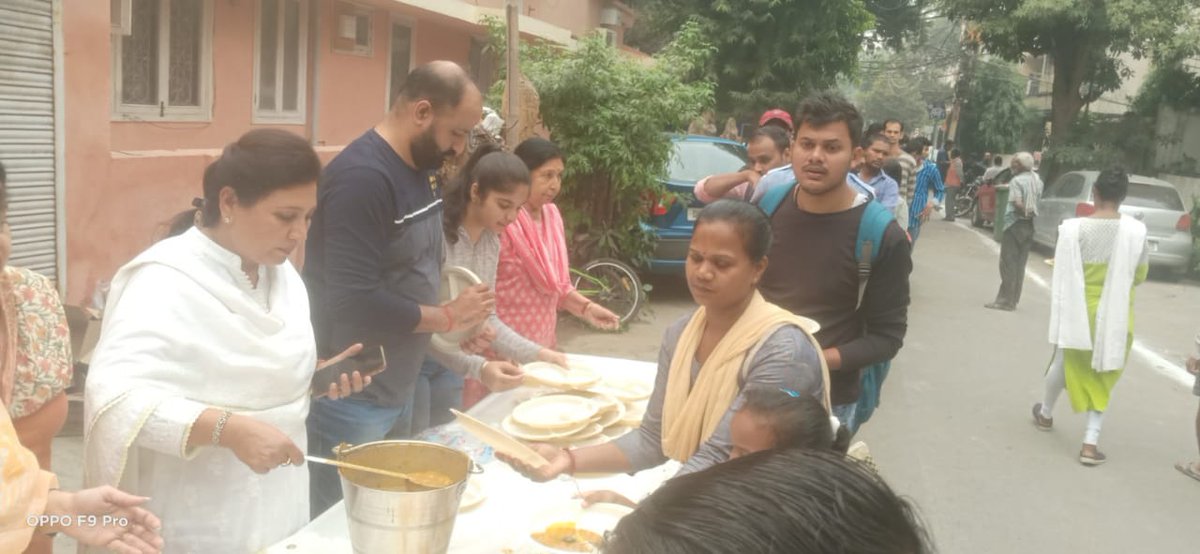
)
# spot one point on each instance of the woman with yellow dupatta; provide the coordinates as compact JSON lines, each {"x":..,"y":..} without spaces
{"x":733,"y":341}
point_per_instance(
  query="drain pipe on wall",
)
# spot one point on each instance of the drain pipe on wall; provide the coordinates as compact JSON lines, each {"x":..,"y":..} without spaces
{"x":314,"y":97}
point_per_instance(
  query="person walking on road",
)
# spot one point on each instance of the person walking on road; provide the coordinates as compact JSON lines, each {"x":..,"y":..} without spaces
{"x":928,"y":182}
{"x":1024,"y":193}
{"x":1098,"y":262}
{"x":954,"y":182}
{"x":1192,"y":469}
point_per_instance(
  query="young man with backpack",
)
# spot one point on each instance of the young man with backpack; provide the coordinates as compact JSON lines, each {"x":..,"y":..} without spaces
{"x":838,"y":257}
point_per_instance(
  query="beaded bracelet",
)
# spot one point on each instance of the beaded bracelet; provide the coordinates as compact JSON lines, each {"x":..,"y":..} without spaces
{"x":220,"y":426}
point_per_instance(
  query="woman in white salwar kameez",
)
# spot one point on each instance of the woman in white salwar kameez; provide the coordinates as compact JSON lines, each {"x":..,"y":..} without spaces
{"x":200,"y":384}
{"x":1097,"y":262}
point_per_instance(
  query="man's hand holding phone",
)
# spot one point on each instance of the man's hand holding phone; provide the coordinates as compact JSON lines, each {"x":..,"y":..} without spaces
{"x":347,"y":373}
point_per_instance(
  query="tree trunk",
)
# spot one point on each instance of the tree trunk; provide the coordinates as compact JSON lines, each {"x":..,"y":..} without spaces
{"x":1071,"y":60}
{"x":1070,"y":66}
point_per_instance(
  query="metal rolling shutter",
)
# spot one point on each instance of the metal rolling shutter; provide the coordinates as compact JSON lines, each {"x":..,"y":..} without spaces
{"x":27,"y":130}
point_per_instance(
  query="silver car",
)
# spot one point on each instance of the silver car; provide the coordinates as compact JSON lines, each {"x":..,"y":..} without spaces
{"x":1155,"y":202}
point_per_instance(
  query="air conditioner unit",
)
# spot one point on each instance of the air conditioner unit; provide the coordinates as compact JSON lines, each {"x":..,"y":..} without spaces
{"x":610,"y":17}
{"x":348,"y":26}
{"x":610,"y":37}
{"x":121,"y":17}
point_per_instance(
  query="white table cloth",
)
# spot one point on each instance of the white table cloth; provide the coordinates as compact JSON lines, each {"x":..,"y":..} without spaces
{"x":514,"y":506}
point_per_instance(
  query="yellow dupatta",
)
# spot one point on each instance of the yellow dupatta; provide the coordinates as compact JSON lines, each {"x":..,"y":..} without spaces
{"x":24,"y":488}
{"x":691,"y":413}
{"x":9,"y":337}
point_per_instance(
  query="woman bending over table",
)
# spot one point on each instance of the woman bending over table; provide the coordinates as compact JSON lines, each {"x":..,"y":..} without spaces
{"x":735,"y":340}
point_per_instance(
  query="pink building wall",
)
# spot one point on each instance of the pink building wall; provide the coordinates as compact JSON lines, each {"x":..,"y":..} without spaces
{"x":126,"y":179}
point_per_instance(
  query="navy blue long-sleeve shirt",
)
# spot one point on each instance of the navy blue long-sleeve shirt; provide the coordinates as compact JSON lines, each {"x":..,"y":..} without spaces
{"x":373,"y":258}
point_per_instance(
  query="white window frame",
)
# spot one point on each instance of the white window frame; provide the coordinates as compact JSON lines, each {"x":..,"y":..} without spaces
{"x":122,"y":20}
{"x":403,"y":21}
{"x":279,"y":115}
{"x":139,"y":112}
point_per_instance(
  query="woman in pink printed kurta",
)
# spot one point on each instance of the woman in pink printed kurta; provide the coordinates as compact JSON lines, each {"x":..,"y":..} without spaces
{"x":533,"y":280}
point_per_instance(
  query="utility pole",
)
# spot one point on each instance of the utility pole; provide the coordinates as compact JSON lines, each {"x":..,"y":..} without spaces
{"x":969,"y":44}
{"x":512,"y":83}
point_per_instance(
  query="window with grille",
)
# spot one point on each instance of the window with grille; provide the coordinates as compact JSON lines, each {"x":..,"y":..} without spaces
{"x":162,"y":65}
{"x":280,"y":61}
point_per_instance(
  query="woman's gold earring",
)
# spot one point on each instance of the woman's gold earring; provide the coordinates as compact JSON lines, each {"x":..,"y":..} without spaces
{"x":228,"y":220}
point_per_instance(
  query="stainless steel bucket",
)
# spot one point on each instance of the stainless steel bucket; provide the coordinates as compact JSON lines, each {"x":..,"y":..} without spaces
{"x":398,"y":521}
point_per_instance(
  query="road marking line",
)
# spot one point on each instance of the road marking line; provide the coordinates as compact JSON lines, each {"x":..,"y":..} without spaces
{"x":1155,"y":360}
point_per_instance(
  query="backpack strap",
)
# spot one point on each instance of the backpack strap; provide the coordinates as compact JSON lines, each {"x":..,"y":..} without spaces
{"x":775,"y":196}
{"x":871,"y":227}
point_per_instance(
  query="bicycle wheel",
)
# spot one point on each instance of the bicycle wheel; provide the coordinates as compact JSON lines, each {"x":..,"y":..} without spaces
{"x":612,"y":284}
{"x":964,"y":202}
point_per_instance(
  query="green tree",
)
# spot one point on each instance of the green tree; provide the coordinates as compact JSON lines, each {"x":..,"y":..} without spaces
{"x":902,"y":84}
{"x":608,"y":112}
{"x":1084,"y":38}
{"x":893,"y":96}
{"x":994,"y":114}
{"x":770,"y":53}
{"x":899,"y":22}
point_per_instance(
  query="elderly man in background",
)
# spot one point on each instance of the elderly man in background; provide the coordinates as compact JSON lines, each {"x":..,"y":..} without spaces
{"x":1024,"y":193}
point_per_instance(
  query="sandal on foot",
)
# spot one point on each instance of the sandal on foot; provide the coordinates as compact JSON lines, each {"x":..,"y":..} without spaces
{"x":1041,"y":422}
{"x":1188,"y":469}
{"x":1094,"y":460}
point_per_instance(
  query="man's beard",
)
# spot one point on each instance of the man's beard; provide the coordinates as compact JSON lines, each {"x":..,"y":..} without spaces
{"x":426,"y":154}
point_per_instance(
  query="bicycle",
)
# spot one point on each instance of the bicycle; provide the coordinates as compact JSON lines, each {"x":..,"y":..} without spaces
{"x":966,"y":199}
{"x":612,"y":284}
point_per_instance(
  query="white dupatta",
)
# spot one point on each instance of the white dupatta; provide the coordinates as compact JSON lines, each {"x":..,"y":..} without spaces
{"x":1069,"y":325}
{"x":180,"y":336}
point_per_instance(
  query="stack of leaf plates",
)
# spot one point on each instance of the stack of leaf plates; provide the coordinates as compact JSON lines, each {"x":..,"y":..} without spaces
{"x":555,"y":412}
{"x":625,"y":390}
{"x":550,"y":375}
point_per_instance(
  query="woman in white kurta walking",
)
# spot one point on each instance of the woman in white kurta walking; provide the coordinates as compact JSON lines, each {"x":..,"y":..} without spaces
{"x":1097,"y":262}
{"x":200,"y":384}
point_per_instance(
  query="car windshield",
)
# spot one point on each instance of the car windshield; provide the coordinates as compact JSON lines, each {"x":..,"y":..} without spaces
{"x":692,"y":161}
{"x":1143,"y":195}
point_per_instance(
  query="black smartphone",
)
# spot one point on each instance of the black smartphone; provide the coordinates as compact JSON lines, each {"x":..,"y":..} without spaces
{"x":369,"y":362}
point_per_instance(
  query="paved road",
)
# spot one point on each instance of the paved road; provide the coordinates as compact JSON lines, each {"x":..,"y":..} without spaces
{"x":954,"y":433}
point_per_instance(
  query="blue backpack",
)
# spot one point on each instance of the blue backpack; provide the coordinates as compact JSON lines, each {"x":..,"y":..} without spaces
{"x":871,"y":228}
